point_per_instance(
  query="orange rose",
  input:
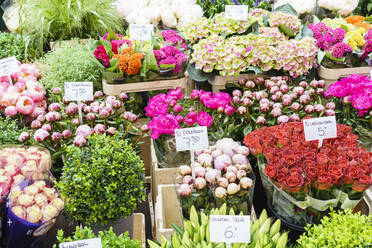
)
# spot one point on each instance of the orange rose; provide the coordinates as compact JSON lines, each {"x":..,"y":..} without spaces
{"x":324,"y":181}
{"x":362,"y":184}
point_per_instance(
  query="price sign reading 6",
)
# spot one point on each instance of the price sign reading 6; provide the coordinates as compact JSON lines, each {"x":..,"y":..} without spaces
{"x":230,"y":228}
{"x":229,"y":232}
{"x":321,"y":131}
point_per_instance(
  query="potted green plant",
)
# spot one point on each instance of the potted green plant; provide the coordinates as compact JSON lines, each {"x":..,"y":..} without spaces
{"x":102,"y":183}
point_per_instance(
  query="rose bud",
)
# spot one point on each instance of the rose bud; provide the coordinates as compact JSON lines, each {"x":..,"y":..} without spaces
{"x":100,"y":129}
{"x":184,"y":170}
{"x":261,"y":120}
{"x":239,"y":159}
{"x":66,"y":134}
{"x":177,"y":108}
{"x":19,"y":212}
{"x":185,"y":189}
{"x":54,"y":107}
{"x":41,"y":199}
{"x":331,"y":105}
{"x":222,"y":161}
{"x":233,"y":188}
{"x":283,"y":119}
{"x":216,"y":153}
{"x":57,"y":91}
{"x":276,"y":112}
{"x":87,"y":109}
{"x":25,"y":200}
{"x":75,"y":122}
{"x":211,"y":176}
{"x":200,"y":171}
{"x":220,"y":192}
{"x":242,"y":150}
{"x":319,"y":108}
{"x":230,"y":176}
{"x":200,"y":183}
{"x":58,"y":203}
{"x":258,"y":80}
{"x":144,"y":128}
{"x":98,"y":94}
{"x":246,"y":183}
{"x":111,"y":131}
{"x":247,"y":94}
{"x":49,"y":212}
{"x":236,"y":100}
{"x":264,"y":108}
{"x":41,"y":135}
{"x":309,"y":109}
{"x":295,"y":106}
{"x":71,"y":109}
{"x":329,"y":112}
{"x":79,"y":141}
{"x":24,"y":136}
{"x":123,"y":96}
{"x":222,"y":182}
{"x":303,"y":84}
{"x":242,"y":110}
{"x":31,"y":190}
{"x":90,"y":117}
{"x":231,"y":168}
{"x":33,"y":214}
{"x":294,"y":117}
{"x":242,"y":81}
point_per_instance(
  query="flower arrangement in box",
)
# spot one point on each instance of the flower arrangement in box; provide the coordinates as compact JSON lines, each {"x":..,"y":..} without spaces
{"x":222,"y":176}
{"x":303,"y":181}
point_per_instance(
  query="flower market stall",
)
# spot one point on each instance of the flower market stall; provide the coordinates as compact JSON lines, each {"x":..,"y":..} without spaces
{"x":186,"y":123}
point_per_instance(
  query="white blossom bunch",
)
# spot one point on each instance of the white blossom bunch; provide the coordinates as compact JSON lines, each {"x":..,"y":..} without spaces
{"x":343,"y":7}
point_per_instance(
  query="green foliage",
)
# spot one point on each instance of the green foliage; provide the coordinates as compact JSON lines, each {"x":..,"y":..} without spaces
{"x":108,"y":238}
{"x":10,"y":131}
{"x":72,"y":64}
{"x":340,"y":229}
{"x":13,"y":45}
{"x":102,"y":181}
{"x":364,"y":8}
{"x":50,"y":20}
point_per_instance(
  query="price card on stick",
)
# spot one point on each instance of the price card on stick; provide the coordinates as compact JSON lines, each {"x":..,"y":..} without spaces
{"x":236,"y":12}
{"x":8,"y":66}
{"x":79,"y":91}
{"x":230,"y":228}
{"x":191,"y":139}
{"x":87,"y":243}
{"x":320,"y":129}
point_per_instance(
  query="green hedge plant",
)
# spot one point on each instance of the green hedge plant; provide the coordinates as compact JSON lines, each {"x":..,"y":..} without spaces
{"x":102,"y":181}
{"x":14,"y":45}
{"x":10,"y":131}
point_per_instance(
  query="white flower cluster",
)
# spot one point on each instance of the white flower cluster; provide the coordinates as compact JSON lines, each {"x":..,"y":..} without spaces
{"x":301,"y":6}
{"x":344,"y":7}
{"x":170,"y":12}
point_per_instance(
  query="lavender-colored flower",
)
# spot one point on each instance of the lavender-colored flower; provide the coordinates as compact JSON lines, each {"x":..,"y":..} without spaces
{"x":79,"y":141}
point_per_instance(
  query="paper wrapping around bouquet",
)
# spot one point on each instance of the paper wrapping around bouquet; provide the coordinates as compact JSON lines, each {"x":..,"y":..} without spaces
{"x":344,"y":199}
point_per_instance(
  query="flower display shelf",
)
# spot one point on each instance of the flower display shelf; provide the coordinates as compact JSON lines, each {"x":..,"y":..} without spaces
{"x":160,"y":176}
{"x":332,"y":75}
{"x":219,"y":83}
{"x":139,"y":232}
{"x":116,"y":89}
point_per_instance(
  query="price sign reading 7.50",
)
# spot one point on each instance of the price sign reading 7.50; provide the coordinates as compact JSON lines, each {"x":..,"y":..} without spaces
{"x":189,"y":139}
{"x":79,"y":91}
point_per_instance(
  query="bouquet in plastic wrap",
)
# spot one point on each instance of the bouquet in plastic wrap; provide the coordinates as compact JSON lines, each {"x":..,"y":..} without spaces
{"x":222,"y":174}
{"x":303,"y":181}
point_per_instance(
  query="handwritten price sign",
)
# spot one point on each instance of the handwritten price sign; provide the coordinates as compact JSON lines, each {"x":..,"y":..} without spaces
{"x":8,"y":66}
{"x":87,"y":243}
{"x":230,"y":228}
{"x":320,"y":128}
{"x":79,"y":91}
{"x":236,"y":12}
{"x":140,"y":32}
{"x":188,"y":139}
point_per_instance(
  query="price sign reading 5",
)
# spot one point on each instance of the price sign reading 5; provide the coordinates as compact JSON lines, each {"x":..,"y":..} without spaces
{"x":79,"y":91}
{"x":320,"y":128}
{"x":230,"y":228}
{"x":140,"y":32}
{"x":188,"y":139}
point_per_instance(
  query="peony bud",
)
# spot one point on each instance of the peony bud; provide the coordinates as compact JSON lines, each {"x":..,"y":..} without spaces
{"x":24,"y":136}
{"x":100,"y":129}
{"x":242,"y":110}
{"x":200,"y":183}
{"x":320,"y":91}
{"x":309,"y":109}
{"x":276,"y":112}
{"x":283,"y":119}
{"x":184,"y":170}
{"x":103,"y":114}
{"x":284,"y":88}
{"x":66,"y":134}
{"x":230,"y":176}
{"x":236,"y":100}
{"x":57,"y":91}
{"x":79,"y":141}
{"x":41,"y":118}
{"x":49,"y":212}
{"x":19,"y":212}
{"x":305,"y":99}
{"x":241,"y":173}
{"x":75,"y":122}
{"x":58,"y":203}
{"x":277,"y":105}
{"x":303,"y":84}
{"x":274,"y":89}
{"x":261,"y":120}
{"x":259,"y":80}
{"x":31,"y":190}
{"x":185,"y":190}
{"x":98,"y":94}
{"x":216,"y":153}
{"x":47,"y":127}
{"x":264,"y":107}
{"x":205,"y":159}
{"x":321,"y":83}
{"x":233,"y":188}
{"x":295,"y":106}
{"x":239,"y":159}
{"x":237,"y":93}
{"x":111,"y":131}
{"x":231,"y":168}
{"x":187,"y":179}
{"x":14,"y":194}
{"x":25,"y":200}
{"x":329,"y":112}
{"x":222,"y":161}
{"x":84,"y":131}
{"x":247,"y":94}
{"x":177,"y":108}
{"x":242,"y":81}
{"x":229,"y":110}
{"x":314,"y":83}
{"x":242,"y":150}
{"x":41,"y":199}
{"x":294,"y":117}
{"x":331,"y":105}
{"x":246,"y":183}
{"x":222,"y":182}
{"x":211,"y":176}
{"x":123,"y":96}
{"x":54,"y":107}
{"x":220,"y":192}
{"x":87,"y":109}
{"x":41,"y":135}
{"x":200,"y":171}
{"x":319,"y":108}
{"x":71,"y":109}
{"x":144,"y":128}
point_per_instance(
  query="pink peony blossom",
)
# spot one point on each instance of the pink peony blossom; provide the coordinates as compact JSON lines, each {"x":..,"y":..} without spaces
{"x":25,"y":105}
{"x":11,"y":111}
{"x":204,"y":119}
{"x":79,"y":141}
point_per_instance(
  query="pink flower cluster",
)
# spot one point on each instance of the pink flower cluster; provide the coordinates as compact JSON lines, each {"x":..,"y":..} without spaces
{"x":26,"y":96}
{"x":168,"y":114}
{"x":278,"y":18}
{"x":101,"y":54}
{"x":170,"y":56}
{"x":356,"y":89}
{"x":173,"y":38}
{"x":218,"y":101}
{"x":339,"y":49}
{"x":367,"y":47}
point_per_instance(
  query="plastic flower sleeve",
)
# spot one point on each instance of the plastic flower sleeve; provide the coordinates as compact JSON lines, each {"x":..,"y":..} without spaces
{"x":166,"y":153}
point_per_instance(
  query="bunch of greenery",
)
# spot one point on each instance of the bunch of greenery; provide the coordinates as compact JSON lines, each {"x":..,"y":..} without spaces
{"x":364,"y":8}
{"x":13,"y":45}
{"x":340,"y":229}
{"x":10,"y":131}
{"x":72,"y":64}
{"x":102,"y":181}
{"x":213,"y":7}
{"x":51,"y":20}
{"x":108,"y":238}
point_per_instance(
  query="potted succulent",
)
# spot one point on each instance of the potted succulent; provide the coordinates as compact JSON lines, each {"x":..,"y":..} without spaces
{"x":102,"y":183}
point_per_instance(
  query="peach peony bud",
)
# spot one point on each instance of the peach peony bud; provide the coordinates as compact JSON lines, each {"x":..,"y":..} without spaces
{"x":220,"y":192}
{"x":233,"y":188}
{"x":230,"y":176}
{"x":222,"y":161}
{"x":200,"y":171}
{"x":49,"y":212}
{"x":34,"y":214}
{"x":58,"y":203}
{"x":31,"y":190}
{"x":200,"y":183}
{"x":25,"y":199}
{"x":241,"y":173}
{"x":211,"y":175}
{"x":232,"y":169}
{"x":19,"y":212}
{"x":41,"y":199}
{"x":205,"y":159}
{"x":187,"y":179}
{"x":184,"y":170}
{"x":246,"y":183}
{"x":222,"y":182}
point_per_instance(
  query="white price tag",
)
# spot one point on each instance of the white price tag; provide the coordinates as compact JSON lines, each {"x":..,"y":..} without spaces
{"x":320,"y":128}
{"x":370,"y":72}
{"x":140,"y":32}
{"x":8,"y":66}
{"x":188,"y":139}
{"x":236,"y":12}
{"x":230,"y":228}
{"x":79,"y":91}
{"x":87,"y":243}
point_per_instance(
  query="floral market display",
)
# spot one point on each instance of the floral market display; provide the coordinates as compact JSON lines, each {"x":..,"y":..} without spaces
{"x":169,"y":13}
{"x":127,"y":61}
{"x":223,"y":175}
{"x":303,"y":181}
{"x":264,"y":232}
{"x":341,"y":229}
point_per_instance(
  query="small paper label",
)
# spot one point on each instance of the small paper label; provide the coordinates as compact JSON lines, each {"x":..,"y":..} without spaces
{"x":79,"y":91}
{"x":188,"y":139}
{"x":370,"y":72}
{"x":320,"y":128}
{"x":236,"y":12}
{"x":230,"y":228}
{"x":87,"y":243}
{"x":8,"y":66}
{"x":140,"y":32}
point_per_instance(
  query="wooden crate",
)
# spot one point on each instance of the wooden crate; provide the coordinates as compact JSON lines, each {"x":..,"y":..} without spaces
{"x":139,"y":232}
{"x":145,"y":148}
{"x":219,"y":82}
{"x":160,"y":176}
{"x":365,"y":205}
{"x":167,"y":211}
{"x":332,"y":75}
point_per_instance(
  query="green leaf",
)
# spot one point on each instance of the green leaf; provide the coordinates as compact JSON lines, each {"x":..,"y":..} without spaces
{"x":114,"y":64}
{"x":165,"y":66}
{"x":330,"y":56}
{"x":111,"y":35}
{"x":256,"y":70}
{"x":306,"y":31}
{"x":198,"y":75}
{"x":344,"y":27}
{"x":286,"y":30}
{"x":247,"y":130}
{"x":315,"y":19}
{"x":265,"y":19}
{"x":287,"y":9}
{"x":320,"y":57}
{"x":369,"y":8}
{"x":149,"y":63}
